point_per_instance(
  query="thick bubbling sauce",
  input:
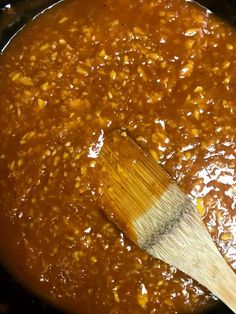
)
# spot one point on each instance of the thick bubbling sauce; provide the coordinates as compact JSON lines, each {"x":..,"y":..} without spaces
{"x":164,"y":70}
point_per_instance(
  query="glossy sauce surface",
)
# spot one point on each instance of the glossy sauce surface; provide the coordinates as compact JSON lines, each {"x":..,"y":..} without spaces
{"x":165,"y":71}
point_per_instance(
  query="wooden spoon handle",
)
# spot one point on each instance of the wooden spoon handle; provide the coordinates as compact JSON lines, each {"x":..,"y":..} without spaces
{"x":156,"y":215}
{"x":198,"y":256}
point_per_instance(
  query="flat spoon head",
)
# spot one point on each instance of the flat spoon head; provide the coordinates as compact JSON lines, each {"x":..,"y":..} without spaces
{"x":145,"y":203}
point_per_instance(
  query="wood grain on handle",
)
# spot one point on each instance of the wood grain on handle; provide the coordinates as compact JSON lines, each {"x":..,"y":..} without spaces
{"x":187,"y":247}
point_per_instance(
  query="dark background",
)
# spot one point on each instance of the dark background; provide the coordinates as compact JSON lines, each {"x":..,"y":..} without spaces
{"x":14,"y":298}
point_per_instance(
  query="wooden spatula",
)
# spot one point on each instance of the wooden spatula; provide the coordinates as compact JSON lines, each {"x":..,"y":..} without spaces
{"x":142,"y":199}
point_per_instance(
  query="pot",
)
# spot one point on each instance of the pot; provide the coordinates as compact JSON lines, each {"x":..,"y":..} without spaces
{"x":14,"y":298}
